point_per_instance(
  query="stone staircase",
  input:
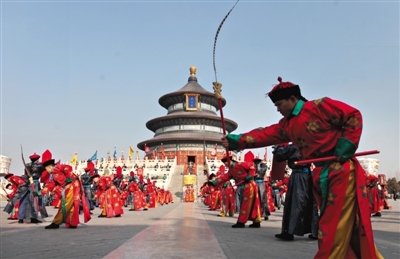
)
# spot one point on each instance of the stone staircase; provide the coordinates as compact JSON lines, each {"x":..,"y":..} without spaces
{"x":201,"y":178}
{"x":175,"y":186}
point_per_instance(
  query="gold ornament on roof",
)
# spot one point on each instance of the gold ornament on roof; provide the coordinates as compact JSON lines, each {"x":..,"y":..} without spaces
{"x":192,"y":71}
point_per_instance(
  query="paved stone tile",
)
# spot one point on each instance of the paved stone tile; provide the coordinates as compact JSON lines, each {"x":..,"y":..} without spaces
{"x":183,"y":233}
{"x":95,"y":239}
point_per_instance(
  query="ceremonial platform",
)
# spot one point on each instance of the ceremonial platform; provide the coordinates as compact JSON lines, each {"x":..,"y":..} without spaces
{"x":176,"y":230}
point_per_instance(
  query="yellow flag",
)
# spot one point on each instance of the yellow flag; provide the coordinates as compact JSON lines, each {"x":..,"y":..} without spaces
{"x":74,"y":159}
{"x":131,"y":151}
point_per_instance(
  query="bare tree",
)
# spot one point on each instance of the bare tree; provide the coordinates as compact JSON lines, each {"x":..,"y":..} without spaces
{"x":393,"y":186}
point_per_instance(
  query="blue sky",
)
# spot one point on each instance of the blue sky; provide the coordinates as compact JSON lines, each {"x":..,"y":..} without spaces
{"x":80,"y":76}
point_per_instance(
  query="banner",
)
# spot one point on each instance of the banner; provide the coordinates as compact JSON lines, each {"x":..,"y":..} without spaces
{"x":74,"y":159}
{"x":214,"y":152}
{"x":115,"y":152}
{"x":146,"y":149}
{"x":131,"y":151}
{"x":162,"y":150}
{"x":94,"y":157}
{"x":189,"y":179}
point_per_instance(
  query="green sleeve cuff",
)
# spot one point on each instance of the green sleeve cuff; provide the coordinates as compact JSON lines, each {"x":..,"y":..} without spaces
{"x":249,"y":178}
{"x":233,"y":141}
{"x":345,"y":148}
{"x":39,"y":193}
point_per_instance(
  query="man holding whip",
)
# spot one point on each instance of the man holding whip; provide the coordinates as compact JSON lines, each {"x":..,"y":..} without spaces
{"x":322,"y":128}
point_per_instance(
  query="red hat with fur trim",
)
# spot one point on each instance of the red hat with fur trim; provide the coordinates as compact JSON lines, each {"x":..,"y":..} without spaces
{"x":284,"y":90}
{"x":257,"y":160}
{"x":34,"y":157}
{"x":225,"y":158}
{"x":8,"y":175}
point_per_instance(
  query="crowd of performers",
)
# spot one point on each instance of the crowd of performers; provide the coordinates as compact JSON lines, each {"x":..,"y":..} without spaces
{"x":247,"y":190}
{"x":190,"y":195}
{"x":48,"y":183}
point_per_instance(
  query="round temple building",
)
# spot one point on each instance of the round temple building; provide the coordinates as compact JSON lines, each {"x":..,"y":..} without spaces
{"x":192,"y":128}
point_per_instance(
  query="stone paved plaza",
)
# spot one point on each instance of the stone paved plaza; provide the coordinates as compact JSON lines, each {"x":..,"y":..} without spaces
{"x":177,"y":230}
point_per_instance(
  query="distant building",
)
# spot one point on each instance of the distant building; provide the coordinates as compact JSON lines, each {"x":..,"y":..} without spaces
{"x":191,"y":129}
{"x":4,"y":165}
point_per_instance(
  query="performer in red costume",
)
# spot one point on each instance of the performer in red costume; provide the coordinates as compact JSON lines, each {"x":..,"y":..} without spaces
{"x":152,"y":194}
{"x":12,"y":189}
{"x":187,"y":194}
{"x":374,"y":198}
{"x":72,"y":195}
{"x":110,"y":198}
{"x":243,"y":173}
{"x":170,"y":199}
{"x":228,"y":200}
{"x":320,"y":128}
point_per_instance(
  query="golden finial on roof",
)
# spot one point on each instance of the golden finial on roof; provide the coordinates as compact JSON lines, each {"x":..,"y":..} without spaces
{"x":192,"y":71}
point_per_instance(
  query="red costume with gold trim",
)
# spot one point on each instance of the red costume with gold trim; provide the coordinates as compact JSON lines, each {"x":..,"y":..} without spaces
{"x":228,"y":200}
{"x":268,"y":190}
{"x":375,"y":200}
{"x":322,"y":128}
{"x":169,"y":198}
{"x":110,"y":198}
{"x":153,"y":195}
{"x":14,"y":213}
{"x":138,"y":201}
{"x":187,"y":194}
{"x":243,"y":173}
{"x":72,"y":196}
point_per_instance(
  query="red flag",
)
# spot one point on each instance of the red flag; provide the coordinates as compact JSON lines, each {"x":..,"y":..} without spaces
{"x":214,"y":152}
{"x":146,"y":148}
{"x":162,"y":150}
